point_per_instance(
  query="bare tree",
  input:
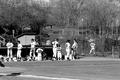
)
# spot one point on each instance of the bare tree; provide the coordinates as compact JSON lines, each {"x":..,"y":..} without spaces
{"x":16,"y":14}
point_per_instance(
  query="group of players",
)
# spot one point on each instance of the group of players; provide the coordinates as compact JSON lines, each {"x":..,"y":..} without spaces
{"x":18,"y":56}
{"x":70,"y":50}
{"x":57,"y":51}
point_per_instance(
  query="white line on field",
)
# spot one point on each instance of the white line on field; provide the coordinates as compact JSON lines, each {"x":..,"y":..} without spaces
{"x":45,"y":77}
{"x":3,"y":74}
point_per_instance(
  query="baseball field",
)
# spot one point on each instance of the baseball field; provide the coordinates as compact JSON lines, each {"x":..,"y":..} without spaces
{"x":87,"y":68}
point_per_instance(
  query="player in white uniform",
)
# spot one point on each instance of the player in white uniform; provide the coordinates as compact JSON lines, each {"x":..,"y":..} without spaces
{"x":39,"y":54}
{"x":59,"y":55}
{"x":74,"y":49}
{"x":32,"y":49}
{"x":19,"y":48}
{"x":68,"y":50}
{"x":92,"y":50}
{"x":54,"y":43}
{"x":9,"y":50}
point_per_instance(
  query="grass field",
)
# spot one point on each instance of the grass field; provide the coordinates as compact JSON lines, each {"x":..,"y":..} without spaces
{"x":83,"y":69}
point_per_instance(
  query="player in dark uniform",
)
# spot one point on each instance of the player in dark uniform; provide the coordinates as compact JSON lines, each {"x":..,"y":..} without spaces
{"x":1,"y":64}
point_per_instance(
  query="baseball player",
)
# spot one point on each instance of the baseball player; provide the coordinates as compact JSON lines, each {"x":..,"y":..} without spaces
{"x":39,"y":54}
{"x":19,"y":48}
{"x":9,"y":50}
{"x":54,"y":43}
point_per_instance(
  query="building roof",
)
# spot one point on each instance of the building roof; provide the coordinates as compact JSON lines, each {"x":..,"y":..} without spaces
{"x":25,"y":34}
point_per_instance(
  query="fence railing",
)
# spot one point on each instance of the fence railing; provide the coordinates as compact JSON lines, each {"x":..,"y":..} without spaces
{"x":26,"y":50}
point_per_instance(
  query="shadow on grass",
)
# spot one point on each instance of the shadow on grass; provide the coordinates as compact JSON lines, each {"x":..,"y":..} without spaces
{"x":14,"y":74}
{"x":1,"y":75}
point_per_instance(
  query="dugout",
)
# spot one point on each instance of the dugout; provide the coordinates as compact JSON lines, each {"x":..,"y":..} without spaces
{"x":47,"y":51}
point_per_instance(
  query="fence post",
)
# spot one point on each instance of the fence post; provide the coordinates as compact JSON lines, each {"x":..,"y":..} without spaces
{"x":112,"y":51}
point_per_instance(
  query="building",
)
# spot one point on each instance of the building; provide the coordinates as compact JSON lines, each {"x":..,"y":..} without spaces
{"x":25,"y":38}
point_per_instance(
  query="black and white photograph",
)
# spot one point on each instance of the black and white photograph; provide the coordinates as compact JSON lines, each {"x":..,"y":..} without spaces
{"x":59,"y":39}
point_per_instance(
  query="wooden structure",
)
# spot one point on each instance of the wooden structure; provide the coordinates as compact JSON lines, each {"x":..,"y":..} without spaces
{"x":2,"y":41}
{"x":25,"y":38}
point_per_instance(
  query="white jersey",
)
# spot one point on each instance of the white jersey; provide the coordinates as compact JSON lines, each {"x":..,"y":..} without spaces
{"x":55,"y":44}
{"x":39,"y":50}
{"x":58,"y":49}
{"x":19,"y":46}
{"x":75,"y":45}
{"x":9,"y":45}
{"x":33,"y":44}
{"x":92,"y":45}
{"x":67,"y":45}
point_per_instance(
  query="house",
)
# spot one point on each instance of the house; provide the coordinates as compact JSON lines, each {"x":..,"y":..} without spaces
{"x":25,"y":38}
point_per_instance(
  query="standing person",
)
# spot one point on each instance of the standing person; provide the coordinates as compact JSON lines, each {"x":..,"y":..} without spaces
{"x":54,"y":43}
{"x":74,"y":48}
{"x":19,"y":48}
{"x":32,"y":49}
{"x":68,"y":49}
{"x":92,"y":50}
{"x":39,"y":54}
{"x":9,"y":50}
{"x":59,"y":55}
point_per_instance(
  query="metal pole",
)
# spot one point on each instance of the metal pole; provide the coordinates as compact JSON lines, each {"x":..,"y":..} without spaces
{"x":13,"y":32}
{"x":82,"y":37}
{"x":113,"y":42}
